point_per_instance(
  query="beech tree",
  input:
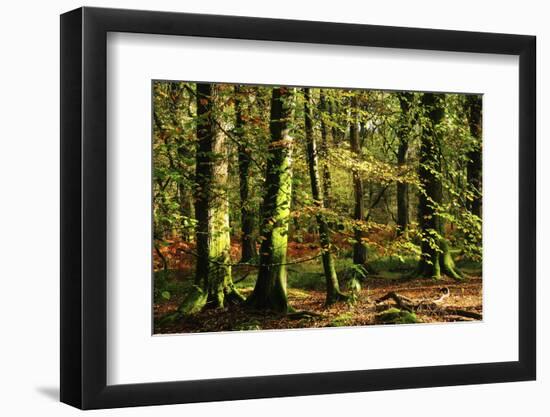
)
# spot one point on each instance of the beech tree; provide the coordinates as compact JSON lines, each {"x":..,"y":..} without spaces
{"x":324,"y":148}
{"x":436,"y":258}
{"x":213,"y":282}
{"x":270,"y":289}
{"x":248,"y":243}
{"x":359,"y":248}
{"x":331,"y":279}
{"x":405,"y":128}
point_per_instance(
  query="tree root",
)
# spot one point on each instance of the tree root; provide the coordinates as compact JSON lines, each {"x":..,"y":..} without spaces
{"x":464,"y":313}
{"x":431,"y":305}
{"x":303,"y":314}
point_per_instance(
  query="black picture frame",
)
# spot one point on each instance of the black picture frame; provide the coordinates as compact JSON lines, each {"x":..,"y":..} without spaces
{"x":84,"y":207}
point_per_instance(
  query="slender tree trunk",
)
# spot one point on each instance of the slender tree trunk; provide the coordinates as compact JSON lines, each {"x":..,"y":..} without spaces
{"x":248,"y":244}
{"x":402,"y":150}
{"x":327,"y":179}
{"x":270,"y":290}
{"x":333,"y":109}
{"x":332,"y":285}
{"x":402,"y":194}
{"x":474,"y":167}
{"x":213,"y":283}
{"x":359,"y":249}
{"x":436,"y":258}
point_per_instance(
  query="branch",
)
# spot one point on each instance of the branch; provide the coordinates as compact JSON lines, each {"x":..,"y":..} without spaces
{"x":408,"y":304}
{"x":376,"y":201}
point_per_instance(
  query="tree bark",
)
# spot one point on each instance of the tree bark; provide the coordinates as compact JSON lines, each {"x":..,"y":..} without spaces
{"x":404,"y":132}
{"x":436,"y":258}
{"x":360,"y":252}
{"x":331,"y":279}
{"x":213,"y":283}
{"x":248,"y":244}
{"x":327,"y":179}
{"x":270,"y":289}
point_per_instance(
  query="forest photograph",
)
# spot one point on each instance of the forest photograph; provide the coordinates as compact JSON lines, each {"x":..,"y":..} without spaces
{"x":284,"y":207}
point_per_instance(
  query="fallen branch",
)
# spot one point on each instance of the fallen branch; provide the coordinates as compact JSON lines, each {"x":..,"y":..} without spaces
{"x":433,"y":305}
{"x":464,"y":313}
{"x":402,"y":302}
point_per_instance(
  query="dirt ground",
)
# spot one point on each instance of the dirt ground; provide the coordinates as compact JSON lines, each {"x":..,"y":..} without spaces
{"x":465,"y":296}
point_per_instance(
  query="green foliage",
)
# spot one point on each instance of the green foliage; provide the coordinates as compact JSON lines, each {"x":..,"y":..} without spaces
{"x":402,"y":264}
{"x":167,"y":285}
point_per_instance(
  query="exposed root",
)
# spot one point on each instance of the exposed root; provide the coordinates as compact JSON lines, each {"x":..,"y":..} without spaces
{"x":303,"y":314}
{"x":194,"y":301}
{"x":464,"y":313}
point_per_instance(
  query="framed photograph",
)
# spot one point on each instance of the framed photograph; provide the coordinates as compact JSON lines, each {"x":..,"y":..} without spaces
{"x":256,"y":208}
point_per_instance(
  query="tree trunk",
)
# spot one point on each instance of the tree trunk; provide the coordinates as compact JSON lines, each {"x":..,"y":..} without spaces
{"x":332,"y":286}
{"x":359,"y":249}
{"x":213,"y":283}
{"x":404,"y":132}
{"x":333,"y":109}
{"x":436,"y":258}
{"x":270,"y":289}
{"x":327,"y":180}
{"x":474,"y":167}
{"x":248,"y":244}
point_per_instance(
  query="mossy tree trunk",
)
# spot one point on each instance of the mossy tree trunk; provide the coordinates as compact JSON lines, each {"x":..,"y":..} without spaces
{"x":331,"y":279}
{"x":436,"y":258}
{"x":360,"y":252}
{"x":270,"y":289}
{"x":474,"y":166}
{"x":213,"y":283}
{"x":248,"y":244}
{"x":404,"y":132}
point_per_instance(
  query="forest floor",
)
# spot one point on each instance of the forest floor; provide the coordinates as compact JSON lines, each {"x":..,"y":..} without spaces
{"x":306,"y":293}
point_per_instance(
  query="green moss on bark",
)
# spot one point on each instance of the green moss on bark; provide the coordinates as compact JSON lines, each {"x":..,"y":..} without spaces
{"x":213,"y":272}
{"x":270,"y":289}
